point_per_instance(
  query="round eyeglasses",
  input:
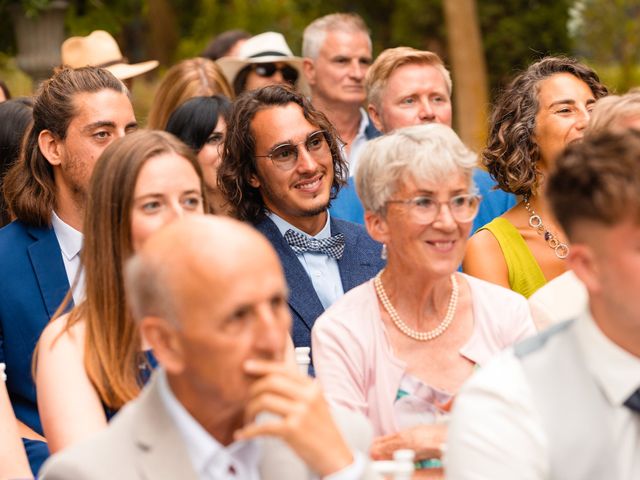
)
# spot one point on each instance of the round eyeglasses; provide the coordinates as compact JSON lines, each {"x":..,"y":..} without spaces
{"x":425,"y":210}
{"x":285,"y":156}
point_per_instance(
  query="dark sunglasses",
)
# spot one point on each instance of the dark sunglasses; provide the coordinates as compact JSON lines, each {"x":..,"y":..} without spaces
{"x":267,"y":70}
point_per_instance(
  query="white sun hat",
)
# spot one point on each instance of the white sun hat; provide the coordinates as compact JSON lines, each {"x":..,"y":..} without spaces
{"x":268,"y":47}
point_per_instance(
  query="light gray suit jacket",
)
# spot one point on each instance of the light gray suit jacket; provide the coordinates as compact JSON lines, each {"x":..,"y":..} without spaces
{"x":142,"y":442}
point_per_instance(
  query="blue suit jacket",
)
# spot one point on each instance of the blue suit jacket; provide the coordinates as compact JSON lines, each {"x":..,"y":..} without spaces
{"x":33,"y":284}
{"x":360,"y":262}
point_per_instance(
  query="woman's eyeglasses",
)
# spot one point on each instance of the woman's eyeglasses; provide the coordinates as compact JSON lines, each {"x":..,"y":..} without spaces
{"x":425,"y":210}
{"x":266,"y":70}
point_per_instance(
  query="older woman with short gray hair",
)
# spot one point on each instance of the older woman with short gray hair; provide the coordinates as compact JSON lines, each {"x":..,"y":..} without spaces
{"x":398,"y":347}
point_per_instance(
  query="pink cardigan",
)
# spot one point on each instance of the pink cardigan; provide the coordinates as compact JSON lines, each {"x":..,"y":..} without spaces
{"x":354,"y":361}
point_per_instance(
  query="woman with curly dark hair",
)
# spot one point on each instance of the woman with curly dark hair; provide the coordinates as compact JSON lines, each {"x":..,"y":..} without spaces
{"x":543,"y":109}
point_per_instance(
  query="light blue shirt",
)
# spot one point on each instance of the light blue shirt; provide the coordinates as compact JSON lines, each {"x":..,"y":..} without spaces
{"x":321,"y":269}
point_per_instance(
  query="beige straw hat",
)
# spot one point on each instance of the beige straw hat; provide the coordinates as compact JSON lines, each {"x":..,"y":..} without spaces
{"x":99,"y":49}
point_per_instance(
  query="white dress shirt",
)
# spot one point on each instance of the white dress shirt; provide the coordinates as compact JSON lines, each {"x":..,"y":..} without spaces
{"x":240,"y":460}
{"x":70,"y":241}
{"x":496,"y":431}
{"x":322,"y":269}
{"x":358,"y":143}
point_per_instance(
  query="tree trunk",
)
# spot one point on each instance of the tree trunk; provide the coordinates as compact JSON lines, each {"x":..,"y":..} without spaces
{"x":471,"y":98}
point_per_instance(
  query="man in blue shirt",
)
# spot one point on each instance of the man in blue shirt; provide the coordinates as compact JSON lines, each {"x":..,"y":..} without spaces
{"x":407,"y":87}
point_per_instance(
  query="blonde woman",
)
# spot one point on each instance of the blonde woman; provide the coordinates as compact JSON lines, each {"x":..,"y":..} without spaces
{"x":194,"y":77}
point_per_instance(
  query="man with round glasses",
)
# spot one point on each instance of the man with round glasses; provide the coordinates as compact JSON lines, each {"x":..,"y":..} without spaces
{"x":263,"y":60}
{"x":282,"y":165}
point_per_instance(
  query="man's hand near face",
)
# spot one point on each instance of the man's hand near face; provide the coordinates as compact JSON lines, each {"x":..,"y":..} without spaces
{"x":302,"y":417}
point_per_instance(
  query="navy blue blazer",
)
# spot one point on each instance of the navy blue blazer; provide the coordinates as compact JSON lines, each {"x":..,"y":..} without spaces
{"x":33,"y":284}
{"x":360,"y":262}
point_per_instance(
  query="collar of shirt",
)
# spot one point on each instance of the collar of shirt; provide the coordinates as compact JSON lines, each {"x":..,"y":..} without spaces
{"x":364,"y":123}
{"x":69,"y":238}
{"x":358,"y":143}
{"x":205,"y":452}
{"x":283,"y":226}
{"x":615,"y":370}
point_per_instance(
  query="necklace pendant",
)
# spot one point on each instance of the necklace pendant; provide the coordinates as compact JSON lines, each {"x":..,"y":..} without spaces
{"x":535,"y":221}
{"x":560,"y":249}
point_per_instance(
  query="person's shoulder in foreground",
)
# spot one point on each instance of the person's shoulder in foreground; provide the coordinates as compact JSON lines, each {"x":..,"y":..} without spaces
{"x":495,"y":430}
{"x":565,"y":404}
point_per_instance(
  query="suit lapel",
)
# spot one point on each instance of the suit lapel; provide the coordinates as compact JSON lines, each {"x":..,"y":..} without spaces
{"x":303,"y":297}
{"x":351,"y":262}
{"x":46,"y":260}
{"x":162,"y":453}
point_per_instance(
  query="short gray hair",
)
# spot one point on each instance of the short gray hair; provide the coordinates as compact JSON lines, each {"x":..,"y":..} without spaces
{"x":315,"y":33}
{"x":148,"y":292}
{"x":427,"y":152}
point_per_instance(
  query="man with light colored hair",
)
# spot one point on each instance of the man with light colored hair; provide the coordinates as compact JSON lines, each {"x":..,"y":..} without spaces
{"x":337,"y":51}
{"x":407,"y":87}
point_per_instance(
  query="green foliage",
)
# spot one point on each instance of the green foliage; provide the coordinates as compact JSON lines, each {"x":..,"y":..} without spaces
{"x":518,"y":32}
{"x":84,"y":17}
{"x":607,"y":32}
{"x":31,"y":8}
{"x":515,"y":32}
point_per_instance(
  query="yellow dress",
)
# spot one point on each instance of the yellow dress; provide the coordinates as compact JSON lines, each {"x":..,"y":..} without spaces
{"x":525,"y":275}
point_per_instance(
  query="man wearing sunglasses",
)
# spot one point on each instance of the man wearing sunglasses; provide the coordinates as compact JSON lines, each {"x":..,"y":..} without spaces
{"x":281,"y":167}
{"x":263,"y":60}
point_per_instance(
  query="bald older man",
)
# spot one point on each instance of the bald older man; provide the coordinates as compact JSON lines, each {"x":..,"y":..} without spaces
{"x":217,"y":320}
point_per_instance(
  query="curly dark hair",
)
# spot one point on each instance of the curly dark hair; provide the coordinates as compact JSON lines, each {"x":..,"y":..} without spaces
{"x":239,"y":161}
{"x":511,"y":155}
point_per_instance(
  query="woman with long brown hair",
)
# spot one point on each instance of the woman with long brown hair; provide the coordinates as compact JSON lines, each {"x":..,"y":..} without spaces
{"x":91,"y":361}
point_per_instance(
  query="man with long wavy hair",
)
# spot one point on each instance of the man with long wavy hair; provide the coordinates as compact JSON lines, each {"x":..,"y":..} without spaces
{"x":280,"y":169}
{"x":76,"y":114}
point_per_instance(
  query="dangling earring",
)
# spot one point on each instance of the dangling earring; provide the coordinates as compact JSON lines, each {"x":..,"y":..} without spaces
{"x":383,"y":253}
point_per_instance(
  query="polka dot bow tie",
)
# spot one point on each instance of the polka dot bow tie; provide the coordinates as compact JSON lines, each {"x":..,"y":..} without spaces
{"x":332,"y":246}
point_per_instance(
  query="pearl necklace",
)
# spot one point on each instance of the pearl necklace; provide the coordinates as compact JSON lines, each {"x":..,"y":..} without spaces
{"x":535,"y":221}
{"x":403,"y":327}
